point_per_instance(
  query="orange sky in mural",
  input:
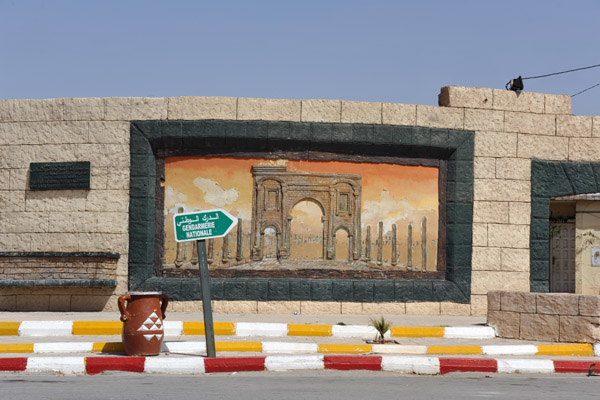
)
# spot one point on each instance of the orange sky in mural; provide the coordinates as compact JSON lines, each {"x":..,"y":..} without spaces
{"x":417,"y":184}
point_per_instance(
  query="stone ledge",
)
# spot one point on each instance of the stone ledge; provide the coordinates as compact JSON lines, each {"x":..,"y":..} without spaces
{"x":558,"y":317}
{"x":30,"y":269}
{"x":74,"y":254}
{"x":58,"y":283}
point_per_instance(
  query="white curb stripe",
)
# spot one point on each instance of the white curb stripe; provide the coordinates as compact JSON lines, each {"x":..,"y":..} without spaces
{"x":173,"y":328}
{"x":289,"y":348}
{"x":184,"y":347}
{"x":74,"y":347}
{"x":597,"y":349}
{"x":510,"y":366}
{"x":260,"y":329}
{"x":515,"y":350}
{"x":65,"y":365}
{"x":348,"y":331}
{"x":184,"y":365}
{"x":469,"y":332}
{"x":288,"y":363}
{"x":46,"y":328}
{"x":399,"y":349}
{"x":411,"y":365}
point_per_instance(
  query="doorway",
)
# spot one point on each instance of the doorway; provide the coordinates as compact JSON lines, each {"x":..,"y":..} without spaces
{"x":562,"y":257}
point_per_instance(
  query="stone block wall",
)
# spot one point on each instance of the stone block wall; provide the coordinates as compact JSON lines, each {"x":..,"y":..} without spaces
{"x":510,"y":130}
{"x":548,"y":317}
{"x":29,"y":269}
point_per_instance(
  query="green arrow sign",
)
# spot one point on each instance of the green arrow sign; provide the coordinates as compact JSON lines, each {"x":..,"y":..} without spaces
{"x":203,"y":225}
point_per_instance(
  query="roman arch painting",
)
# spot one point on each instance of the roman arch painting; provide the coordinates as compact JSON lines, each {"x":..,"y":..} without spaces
{"x":306,"y":218}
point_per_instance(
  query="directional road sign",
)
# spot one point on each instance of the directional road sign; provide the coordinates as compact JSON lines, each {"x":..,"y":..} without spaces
{"x":203,"y":225}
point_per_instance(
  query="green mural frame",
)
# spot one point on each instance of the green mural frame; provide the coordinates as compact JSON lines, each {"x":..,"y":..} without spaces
{"x":553,"y":179}
{"x":151,"y":141}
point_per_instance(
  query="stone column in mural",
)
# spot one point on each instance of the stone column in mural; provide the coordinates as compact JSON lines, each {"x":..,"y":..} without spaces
{"x":288,"y":236}
{"x":394,"y":246}
{"x":324,"y":225}
{"x":210,"y":253}
{"x":357,"y":227}
{"x":409,"y":261}
{"x":330,"y":233}
{"x":194,"y":254}
{"x":368,"y":244}
{"x":225,"y":249}
{"x":380,"y":244}
{"x":255,"y":237}
{"x":239,"y":256}
{"x":424,"y":244}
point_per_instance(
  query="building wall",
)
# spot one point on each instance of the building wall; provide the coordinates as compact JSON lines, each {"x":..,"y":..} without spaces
{"x":587,"y":236}
{"x":511,"y":130}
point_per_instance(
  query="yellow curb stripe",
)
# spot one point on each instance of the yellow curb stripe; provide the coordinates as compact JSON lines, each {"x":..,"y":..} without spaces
{"x":16,"y":348}
{"x":345,"y":348}
{"x":108,"y":347}
{"x":9,"y":328}
{"x":454,"y":350}
{"x":239,"y":346}
{"x":197,"y":328}
{"x":309,"y":330}
{"x":417,"y":331}
{"x":97,"y":327}
{"x":565,"y":350}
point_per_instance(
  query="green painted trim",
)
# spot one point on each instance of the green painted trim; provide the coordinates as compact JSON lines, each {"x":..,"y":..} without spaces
{"x":553,"y":179}
{"x":205,"y":137}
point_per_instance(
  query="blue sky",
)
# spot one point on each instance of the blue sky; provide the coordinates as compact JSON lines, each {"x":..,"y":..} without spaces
{"x":392,"y":51}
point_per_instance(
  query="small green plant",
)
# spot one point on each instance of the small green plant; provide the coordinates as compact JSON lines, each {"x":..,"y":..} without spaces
{"x":381,"y":326}
{"x":341,"y":323}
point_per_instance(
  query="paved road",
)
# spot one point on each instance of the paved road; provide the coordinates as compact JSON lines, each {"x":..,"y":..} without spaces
{"x":330,"y":385}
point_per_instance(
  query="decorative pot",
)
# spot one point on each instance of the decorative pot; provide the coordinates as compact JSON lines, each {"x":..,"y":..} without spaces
{"x":142,"y":314}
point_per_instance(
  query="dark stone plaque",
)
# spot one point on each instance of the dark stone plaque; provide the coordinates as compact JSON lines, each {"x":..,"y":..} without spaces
{"x":59,"y":175}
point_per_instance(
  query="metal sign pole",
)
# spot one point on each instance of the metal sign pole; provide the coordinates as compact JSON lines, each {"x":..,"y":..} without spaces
{"x":209,"y":330}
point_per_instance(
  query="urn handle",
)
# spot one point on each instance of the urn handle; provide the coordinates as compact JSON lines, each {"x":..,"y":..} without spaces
{"x":122,"y":309}
{"x":163,"y":306}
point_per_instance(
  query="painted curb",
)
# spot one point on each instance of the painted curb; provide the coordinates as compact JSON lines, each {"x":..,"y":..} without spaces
{"x":199,"y":365}
{"x":197,"y":347}
{"x":244,"y":329}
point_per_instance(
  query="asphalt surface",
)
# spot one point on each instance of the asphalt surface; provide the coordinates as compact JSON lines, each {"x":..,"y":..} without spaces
{"x":330,"y":385}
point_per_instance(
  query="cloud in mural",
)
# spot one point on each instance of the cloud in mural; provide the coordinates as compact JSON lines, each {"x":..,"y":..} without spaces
{"x":387,"y":209}
{"x":215,"y":194}
{"x":179,"y":208}
{"x":173,"y":196}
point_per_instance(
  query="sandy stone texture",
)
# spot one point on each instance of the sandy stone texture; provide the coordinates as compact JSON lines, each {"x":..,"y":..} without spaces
{"x":558,"y":304}
{"x":577,"y":329}
{"x":399,"y":114}
{"x":539,"y":327}
{"x":465,"y":97}
{"x":522,"y":302}
{"x":268,"y":109}
{"x":505,"y":323}
{"x":321,"y":111}
{"x":557,"y":104}
{"x":361,"y":112}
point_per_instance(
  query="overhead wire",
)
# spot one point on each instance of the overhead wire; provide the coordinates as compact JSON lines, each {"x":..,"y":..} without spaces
{"x":562,"y":72}
{"x":520,"y":79}
{"x":585,"y":90}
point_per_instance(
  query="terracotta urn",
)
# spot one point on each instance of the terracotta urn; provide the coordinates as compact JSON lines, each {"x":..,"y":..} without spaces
{"x":142,"y":314}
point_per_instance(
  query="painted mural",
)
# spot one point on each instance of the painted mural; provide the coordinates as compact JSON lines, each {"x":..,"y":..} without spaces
{"x":306,"y":214}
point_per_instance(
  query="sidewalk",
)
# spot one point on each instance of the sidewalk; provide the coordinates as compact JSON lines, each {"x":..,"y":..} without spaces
{"x":77,"y":343}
